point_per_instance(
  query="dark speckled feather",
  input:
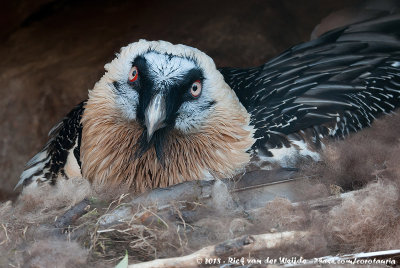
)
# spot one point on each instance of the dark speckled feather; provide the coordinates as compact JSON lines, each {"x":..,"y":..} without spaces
{"x":51,"y":160}
{"x":331,"y":86}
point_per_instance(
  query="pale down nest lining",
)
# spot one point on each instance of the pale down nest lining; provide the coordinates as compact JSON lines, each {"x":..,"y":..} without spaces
{"x":366,"y":221}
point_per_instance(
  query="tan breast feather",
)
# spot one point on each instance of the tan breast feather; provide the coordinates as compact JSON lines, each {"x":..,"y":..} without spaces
{"x":109,"y":144}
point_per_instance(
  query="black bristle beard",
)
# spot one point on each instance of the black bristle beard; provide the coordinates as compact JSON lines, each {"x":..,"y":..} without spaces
{"x":158,"y":140}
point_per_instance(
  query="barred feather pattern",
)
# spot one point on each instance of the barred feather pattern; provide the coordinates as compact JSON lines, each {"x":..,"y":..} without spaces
{"x":326,"y":88}
{"x":53,"y":160}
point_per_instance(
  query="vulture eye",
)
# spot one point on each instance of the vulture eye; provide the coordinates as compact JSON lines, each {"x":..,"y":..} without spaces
{"x":133,"y":74}
{"x":195,"y":89}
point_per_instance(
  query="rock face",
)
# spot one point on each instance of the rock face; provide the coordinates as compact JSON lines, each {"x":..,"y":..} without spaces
{"x":48,"y":64}
{"x":15,"y":13}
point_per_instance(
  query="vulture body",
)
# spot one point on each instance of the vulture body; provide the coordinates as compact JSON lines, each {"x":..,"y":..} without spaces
{"x":164,"y":114}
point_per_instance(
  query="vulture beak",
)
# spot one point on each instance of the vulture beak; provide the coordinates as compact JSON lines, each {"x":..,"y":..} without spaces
{"x":155,"y":115}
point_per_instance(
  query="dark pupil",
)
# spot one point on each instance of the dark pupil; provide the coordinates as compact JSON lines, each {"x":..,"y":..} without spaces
{"x":134,"y":73}
{"x":194,"y":87}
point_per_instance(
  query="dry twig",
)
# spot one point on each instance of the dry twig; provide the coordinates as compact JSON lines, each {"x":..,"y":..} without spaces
{"x":234,"y":247}
{"x":73,"y":214}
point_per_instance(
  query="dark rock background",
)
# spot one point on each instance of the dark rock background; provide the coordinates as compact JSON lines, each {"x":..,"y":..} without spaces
{"x":52,"y":52}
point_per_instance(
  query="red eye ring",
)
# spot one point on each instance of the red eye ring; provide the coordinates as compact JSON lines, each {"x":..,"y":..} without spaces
{"x":195,"y":89}
{"x":133,"y":74}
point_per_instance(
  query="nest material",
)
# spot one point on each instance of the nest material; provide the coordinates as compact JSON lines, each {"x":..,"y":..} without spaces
{"x":45,"y":227}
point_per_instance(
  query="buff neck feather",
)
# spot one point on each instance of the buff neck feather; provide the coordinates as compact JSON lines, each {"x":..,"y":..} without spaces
{"x":109,"y":144}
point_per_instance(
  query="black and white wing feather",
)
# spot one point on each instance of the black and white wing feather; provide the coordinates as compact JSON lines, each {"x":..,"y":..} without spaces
{"x":327,"y":87}
{"x":62,"y":150}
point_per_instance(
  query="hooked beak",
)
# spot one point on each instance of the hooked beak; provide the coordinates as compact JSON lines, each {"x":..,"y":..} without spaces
{"x":155,"y":115}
